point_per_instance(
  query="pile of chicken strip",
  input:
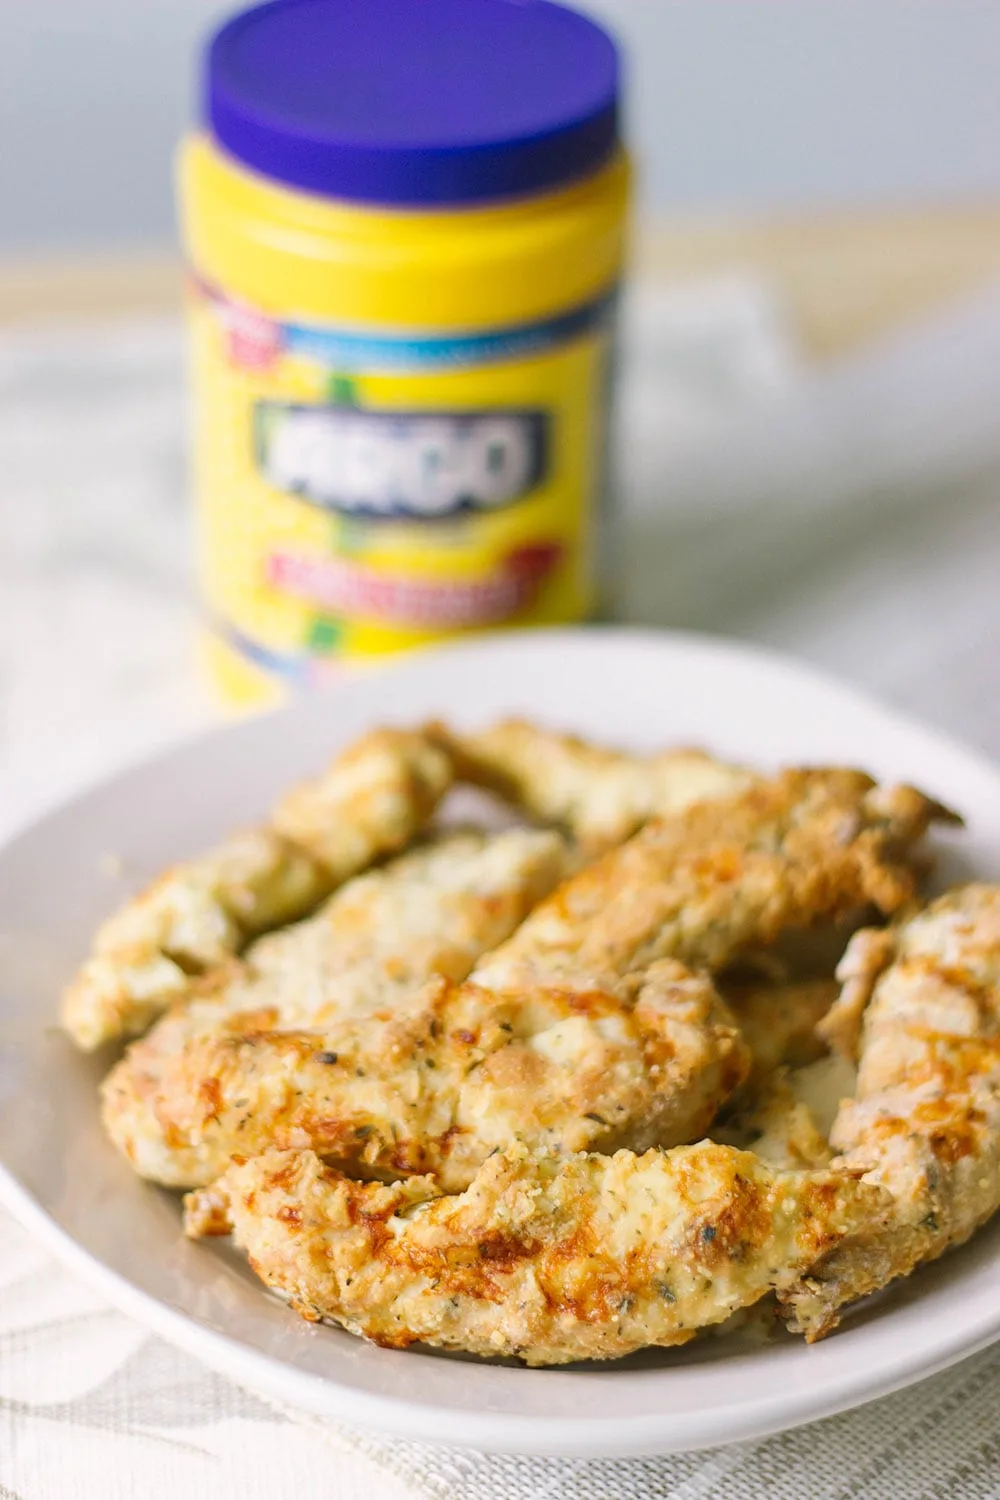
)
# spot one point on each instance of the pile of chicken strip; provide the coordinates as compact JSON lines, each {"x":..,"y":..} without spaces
{"x":546,"y":1092}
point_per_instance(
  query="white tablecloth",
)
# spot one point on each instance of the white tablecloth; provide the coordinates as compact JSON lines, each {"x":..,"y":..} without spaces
{"x":851,"y":518}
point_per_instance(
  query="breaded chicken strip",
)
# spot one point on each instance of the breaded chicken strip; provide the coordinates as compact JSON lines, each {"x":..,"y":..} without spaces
{"x":372,"y":946}
{"x":807,"y":846}
{"x":434,"y":910}
{"x":701,"y":886}
{"x":925,"y":1119}
{"x":370,"y":802}
{"x":437,"y":1086}
{"x":600,"y":796}
{"x":550,"y":1259}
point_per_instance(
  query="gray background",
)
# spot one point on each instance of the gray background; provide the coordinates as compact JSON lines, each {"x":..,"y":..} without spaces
{"x":735,"y":105}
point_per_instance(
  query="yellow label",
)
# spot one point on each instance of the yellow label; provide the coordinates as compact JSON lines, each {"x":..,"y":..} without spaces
{"x":362,"y":494}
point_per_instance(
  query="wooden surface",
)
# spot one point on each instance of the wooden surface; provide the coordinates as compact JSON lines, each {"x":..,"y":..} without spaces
{"x":50,"y":291}
{"x":846,"y":278}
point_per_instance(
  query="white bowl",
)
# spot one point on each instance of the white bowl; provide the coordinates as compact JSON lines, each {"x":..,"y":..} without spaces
{"x":66,"y":1183}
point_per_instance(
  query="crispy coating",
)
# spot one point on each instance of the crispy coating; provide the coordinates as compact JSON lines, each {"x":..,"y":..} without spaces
{"x":438,"y":1085}
{"x":370,"y":948}
{"x":191,"y":919}
{"x":370,"y":802}
{"x":434,"y":910}
{"x":598,"y":795}
{"x":802,"y":847}
{"x":549,"y":1259}
{"x":722,"y":876}
{"x":925,"y":1119}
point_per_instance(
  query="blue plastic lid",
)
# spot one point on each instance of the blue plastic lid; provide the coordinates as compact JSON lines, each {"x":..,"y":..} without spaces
{"x":415,"y":101}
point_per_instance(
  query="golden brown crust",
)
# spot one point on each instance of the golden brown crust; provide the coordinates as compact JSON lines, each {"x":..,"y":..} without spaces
{"x":461,"y":1051}
{"x":370,"y":802}
{"x":598,"y":795}
{"x":707,"y":883}
{"x":925,"y":1120}
{"x":374,"y":942}
{"x":723,"y":876}
{"x":436,"y":1086}
{"x":368,"y":951}
{"x":549,"y":1259}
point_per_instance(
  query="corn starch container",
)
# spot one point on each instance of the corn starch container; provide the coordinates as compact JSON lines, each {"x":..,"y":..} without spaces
{"x":405,"y":223}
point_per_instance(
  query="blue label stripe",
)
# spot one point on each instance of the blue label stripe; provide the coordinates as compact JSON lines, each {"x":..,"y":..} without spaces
{"x":295,"y":668}
{"x":362,"y":351}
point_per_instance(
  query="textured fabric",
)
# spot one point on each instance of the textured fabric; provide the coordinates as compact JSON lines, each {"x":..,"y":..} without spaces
{"x":93,"y":1406}
{"x":935,"y":1441}
{"x":895,"y":589}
